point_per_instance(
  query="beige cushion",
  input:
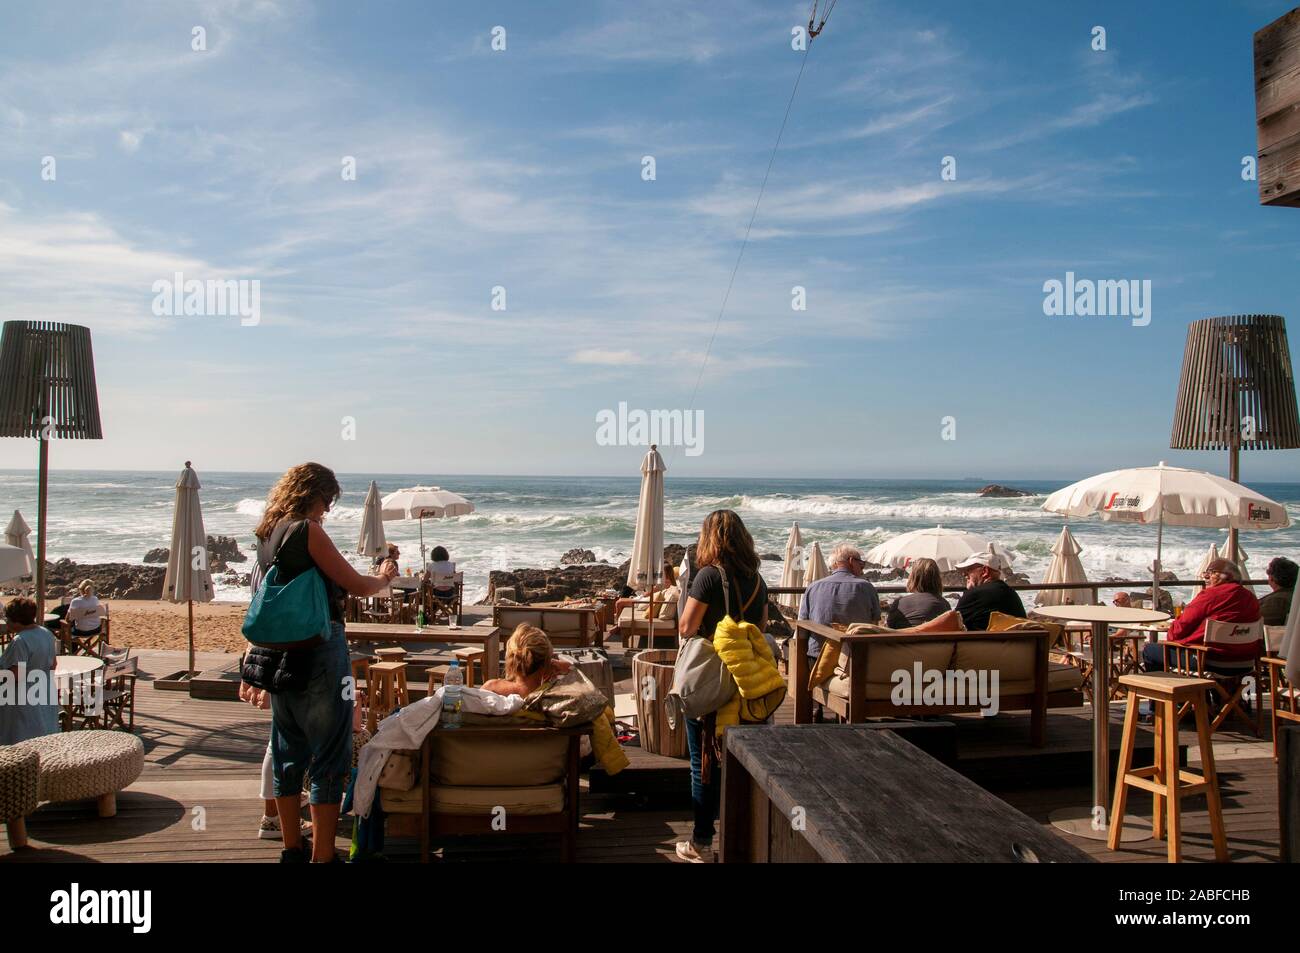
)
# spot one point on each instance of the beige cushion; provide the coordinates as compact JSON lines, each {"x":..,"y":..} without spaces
{"x":78,"y":765}
{"x":1012,"y":659}
{"x":1061,"y":677}
{"x":529,"y":760}
{"x":543,"y":799}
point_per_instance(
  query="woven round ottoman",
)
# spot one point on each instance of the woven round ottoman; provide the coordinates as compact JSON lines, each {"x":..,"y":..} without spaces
{"x":79,"y":765}
{"x":20,"y":785}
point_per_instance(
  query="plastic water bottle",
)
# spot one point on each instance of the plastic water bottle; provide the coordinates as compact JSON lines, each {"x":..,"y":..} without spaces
{"x":451,"y":685}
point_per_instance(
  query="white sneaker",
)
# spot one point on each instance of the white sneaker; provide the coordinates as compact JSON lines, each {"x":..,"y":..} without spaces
{"x":692,"y":853}
{"x":269,"y":828}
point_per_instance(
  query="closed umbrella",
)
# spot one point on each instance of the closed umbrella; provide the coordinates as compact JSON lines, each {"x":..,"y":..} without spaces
{"x":792,"y":569}
{"x":18,"y":533}
{"x":1066,"y":567}
{"x":1173,"y":495}
{"x":647,"y":565}
{"x":14,"y":564}
{"x":817,"y":568}
{"x":1210,"y":557}
{"x":417,"y":502}
{"x":188,"y":578}
{"x":947,"y":547}
{"x":372,"y":542}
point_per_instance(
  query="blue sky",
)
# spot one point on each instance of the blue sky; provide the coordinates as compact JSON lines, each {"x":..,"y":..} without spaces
{"x":522,"y":168}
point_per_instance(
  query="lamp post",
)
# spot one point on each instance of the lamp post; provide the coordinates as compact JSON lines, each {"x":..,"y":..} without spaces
{"x":1237,"y":391}
{"x":47,"y":391}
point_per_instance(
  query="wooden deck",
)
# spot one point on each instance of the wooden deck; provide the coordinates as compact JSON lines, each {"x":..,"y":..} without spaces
{"x":197,"y":799}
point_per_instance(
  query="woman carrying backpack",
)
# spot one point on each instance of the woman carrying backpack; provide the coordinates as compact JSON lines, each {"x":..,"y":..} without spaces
{"x":725,"y":551}
{"x":311,"y":724}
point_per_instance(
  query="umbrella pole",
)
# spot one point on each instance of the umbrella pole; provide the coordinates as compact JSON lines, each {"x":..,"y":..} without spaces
{"x":422,"y":560}
{"x":1155,"y":582}
{"x":42,"y":492}
{"x":191,"y":668}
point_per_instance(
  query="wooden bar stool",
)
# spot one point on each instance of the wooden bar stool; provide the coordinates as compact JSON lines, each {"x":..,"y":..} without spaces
{"x":471,"y":656}
{"x":387,"y":689}
{"x":391,"y":654}
{"x":1168,"y":783}
{"x":437,"y":674}
{"x":361,"y":683}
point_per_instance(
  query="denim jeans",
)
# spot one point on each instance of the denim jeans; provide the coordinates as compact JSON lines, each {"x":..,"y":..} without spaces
{"x":312,"y":728}
{"x":704,"y":797}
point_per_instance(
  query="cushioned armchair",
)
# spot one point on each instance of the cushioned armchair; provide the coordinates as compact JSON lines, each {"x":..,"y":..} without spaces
{"x":863,"y":684}
{"x":486,"y":779}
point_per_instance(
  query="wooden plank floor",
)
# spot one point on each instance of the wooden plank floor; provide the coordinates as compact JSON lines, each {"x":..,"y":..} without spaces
{"x":197,"y":799}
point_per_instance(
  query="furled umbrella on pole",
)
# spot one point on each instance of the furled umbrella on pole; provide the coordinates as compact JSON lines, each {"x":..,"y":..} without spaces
{"x":18,"y":534}
{"x":646,"y":568}
{"x":792,"y":569}
{"x":188,"y":578}
{"x":817,"y":568}
{"x":47,"y":391}
{"x":14,"y":565}
{"x":1210,"y":557}
{"x":1065,"y":568}
{"x":418,"y":502}
{"x":1172,"y":495}
{"x":371,"y":542}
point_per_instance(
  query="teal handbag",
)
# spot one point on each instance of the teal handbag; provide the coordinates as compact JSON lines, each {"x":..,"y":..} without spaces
{"x":290,"y":615}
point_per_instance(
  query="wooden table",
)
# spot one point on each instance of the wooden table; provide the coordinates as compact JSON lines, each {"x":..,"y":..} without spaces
{"x":857,"y":794}
{"x":488,"y":636}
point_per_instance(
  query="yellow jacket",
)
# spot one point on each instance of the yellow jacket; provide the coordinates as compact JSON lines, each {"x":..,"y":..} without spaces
{"x":604,"y":743}
{"x":759,"y":686}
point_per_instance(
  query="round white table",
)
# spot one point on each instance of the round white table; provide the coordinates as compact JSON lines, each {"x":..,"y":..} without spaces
{"x":1093,"y":822}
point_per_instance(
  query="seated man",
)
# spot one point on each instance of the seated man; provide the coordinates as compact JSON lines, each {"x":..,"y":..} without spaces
{"x":1273,"y":608}
{"x":1223,"y":599}
{"x":986,"y":592}
{"x":844,"y":596}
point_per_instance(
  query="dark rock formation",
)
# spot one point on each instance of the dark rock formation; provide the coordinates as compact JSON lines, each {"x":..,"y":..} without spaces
{"x":576,"y":557}
{"x":111,"y":580}
{"x":771,"y":557}
{"x":998,"y":490}
{"x":221,"y":551}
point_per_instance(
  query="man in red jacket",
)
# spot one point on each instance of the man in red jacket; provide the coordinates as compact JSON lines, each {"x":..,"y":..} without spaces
{"x":1223,"y":599}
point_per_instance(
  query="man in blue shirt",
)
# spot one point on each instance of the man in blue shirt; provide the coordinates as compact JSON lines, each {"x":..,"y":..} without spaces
{"x":842,"y":597}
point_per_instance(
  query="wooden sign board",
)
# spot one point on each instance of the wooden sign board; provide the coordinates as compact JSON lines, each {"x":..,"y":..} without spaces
{"x":1277,"y":110}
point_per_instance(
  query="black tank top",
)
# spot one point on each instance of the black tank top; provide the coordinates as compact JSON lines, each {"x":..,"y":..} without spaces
{"x":287,"y":547}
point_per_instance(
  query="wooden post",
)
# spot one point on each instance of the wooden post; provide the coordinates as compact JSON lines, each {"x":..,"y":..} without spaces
{"x":1277,"y":110}
{"x":42,"y":491}
{"x":1288,"y":792}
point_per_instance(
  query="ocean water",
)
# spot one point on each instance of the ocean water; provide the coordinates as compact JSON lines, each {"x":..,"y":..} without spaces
{"x":103,"y":516}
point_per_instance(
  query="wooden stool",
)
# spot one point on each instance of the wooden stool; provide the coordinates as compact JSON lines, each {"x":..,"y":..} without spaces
{"x":437,"y":674}
{"x":391,"y":654}
{"x":470,"y":656}
{"x":1168,"y":783}
{"x":387,"y":690}
{"x":361,"y":676}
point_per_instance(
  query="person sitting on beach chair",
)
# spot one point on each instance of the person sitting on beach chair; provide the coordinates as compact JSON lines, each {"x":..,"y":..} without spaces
{"x":530,"y":661}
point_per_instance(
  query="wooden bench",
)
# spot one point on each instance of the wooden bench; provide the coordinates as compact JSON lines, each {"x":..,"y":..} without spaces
{"x":574,"y":627}
{"x":870,"y":661}
{"x":853,"y":794}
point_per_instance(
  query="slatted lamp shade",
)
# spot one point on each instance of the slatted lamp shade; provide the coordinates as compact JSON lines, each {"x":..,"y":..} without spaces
{"x":47,"y":390}
{"x":1237,"y":389}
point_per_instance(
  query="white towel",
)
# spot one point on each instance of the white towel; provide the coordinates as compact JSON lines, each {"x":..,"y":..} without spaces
{"x":405,"y":731}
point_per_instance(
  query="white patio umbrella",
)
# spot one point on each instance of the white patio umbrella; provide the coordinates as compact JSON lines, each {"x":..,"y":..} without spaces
{"x":947,"y":547}
{"x":14,"y":564}
{"x":18,"y":533}
{"x":817,"y":568}
{"x":1066,"y":567}
{"x":417,"y":502}
{"x":372,"y":542}
{"x":792,"y":569}
{"x":1173,"y":495}
{"x":188,"y":578}
{"x":646,"y":568}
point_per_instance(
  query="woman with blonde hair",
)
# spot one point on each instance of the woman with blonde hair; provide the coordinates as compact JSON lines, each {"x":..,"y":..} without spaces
{"x":530,"y":662}
{"x":924,"y":600}
{"x":728,"y":564}
{"x":311,"y":726}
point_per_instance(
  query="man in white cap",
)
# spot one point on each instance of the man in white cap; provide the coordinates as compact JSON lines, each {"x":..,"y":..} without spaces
{"x":986,"y":592}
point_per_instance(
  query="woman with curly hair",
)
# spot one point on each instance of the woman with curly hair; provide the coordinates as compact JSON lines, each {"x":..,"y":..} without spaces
{"x":311,"y":726}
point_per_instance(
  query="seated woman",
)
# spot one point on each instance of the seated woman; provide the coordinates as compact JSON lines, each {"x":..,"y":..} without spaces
{"x":924,"y":600}
{"x":29,"y":659}
{"x":667,"y":590}
{"x":530,"y":662}
{"x":85,"y":612}
{"x":441,"y":565}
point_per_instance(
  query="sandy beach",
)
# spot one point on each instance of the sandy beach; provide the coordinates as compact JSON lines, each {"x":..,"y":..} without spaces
{"x":162,"y":625}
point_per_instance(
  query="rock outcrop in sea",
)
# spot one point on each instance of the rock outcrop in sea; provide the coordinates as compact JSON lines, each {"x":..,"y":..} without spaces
{"x":997,"y":490}
{"x":222,"y":550}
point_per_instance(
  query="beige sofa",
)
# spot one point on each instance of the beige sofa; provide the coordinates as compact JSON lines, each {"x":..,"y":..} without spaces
{"x":476,"y":778}
{"x":567,"y":627}
{"x":864,"y":679}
